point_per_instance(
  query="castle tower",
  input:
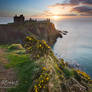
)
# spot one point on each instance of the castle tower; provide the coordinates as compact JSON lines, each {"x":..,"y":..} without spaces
{"x":19,"y":19}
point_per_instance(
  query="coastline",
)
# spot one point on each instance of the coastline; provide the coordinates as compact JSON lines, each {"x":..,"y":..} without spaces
{"x":16,"y":32}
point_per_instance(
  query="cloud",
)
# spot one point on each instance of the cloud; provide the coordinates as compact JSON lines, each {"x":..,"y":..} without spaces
{"x":88,"y":1}
{"x":74,"y":1}
{"x":61,"y":5}
{"x":5,"y":14}
{"x":81,"y":1}
{"x":84,"y":7}
{"x":70,"y":8}
{"x":69,"y":15}
{"x":60,"y":10}
{"x":73,"y":8}
{"x":83,"y":10}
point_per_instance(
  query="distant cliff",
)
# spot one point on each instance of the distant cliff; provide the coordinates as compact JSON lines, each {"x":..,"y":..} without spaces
{"x":16,"y":32}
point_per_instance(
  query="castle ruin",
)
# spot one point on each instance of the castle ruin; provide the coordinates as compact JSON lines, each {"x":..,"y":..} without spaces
{"x":19,"y":19}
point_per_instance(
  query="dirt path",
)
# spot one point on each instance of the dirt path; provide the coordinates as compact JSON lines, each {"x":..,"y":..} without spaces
{"x":7,"y":76}
{"x":2,"y":56}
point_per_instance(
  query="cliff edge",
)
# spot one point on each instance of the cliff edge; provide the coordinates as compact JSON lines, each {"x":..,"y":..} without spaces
{"x":17,"y":31}
{"x":38,"y":70}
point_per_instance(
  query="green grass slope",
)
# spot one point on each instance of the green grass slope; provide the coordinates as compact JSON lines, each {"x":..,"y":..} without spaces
{"x":38,"y":70}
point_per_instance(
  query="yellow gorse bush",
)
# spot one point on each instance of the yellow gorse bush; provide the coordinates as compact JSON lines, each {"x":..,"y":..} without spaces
{"x":83,"y":74}
{"x":44,"y":68}
{"x":42,"y":80}
{"x":36,"y":47}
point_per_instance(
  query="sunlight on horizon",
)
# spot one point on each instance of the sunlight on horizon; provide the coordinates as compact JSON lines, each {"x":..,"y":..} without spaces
{"x":55,"y":17}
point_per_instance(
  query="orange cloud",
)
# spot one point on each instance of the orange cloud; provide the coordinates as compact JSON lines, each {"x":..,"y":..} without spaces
{"x":60,"y":10}
{"x":68,"y":9}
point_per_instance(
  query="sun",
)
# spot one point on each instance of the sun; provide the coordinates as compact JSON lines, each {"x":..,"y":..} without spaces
{"x":55,"y":17}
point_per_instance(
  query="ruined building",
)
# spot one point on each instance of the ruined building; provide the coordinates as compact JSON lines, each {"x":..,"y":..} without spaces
{"x":19,"y":19}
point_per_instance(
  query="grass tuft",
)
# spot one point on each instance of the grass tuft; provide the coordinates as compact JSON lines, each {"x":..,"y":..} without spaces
{"x":15,"y":47}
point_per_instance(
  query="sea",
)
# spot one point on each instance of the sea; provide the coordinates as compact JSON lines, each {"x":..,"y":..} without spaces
{"x":76,"y":46}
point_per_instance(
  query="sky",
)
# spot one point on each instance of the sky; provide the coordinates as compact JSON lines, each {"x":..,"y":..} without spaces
{"x":45,"y":8}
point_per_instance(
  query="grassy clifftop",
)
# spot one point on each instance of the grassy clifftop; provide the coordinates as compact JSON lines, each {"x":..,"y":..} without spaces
{"x":16,"y":32}
{"x":38,"y":70}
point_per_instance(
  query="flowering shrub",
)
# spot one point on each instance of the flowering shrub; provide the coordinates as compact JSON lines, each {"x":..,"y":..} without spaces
{"x":36,"y":47}
{"x":83,"y":74}
{"x":59,"y":72}
{"x":42,"y":81}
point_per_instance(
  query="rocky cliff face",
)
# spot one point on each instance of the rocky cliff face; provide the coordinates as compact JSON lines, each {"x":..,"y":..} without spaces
{"x":16,"y":32}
